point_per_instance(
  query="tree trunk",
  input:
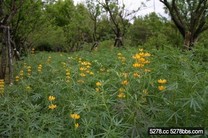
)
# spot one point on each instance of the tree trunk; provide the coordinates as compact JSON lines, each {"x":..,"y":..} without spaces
{"x":3,"y":55}
{"x":95,"y":42}
{"x":118,"y":42}
{"x":94,"y":46}
{"x":189,"y":40}
{"x":10,"y":57}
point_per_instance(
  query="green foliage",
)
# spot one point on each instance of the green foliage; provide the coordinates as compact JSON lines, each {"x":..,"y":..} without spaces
{"x":61,"y":12}
{"x":51,"y":36}
{"x":154,"y":31}
{"x":24,"y":105}
{"x":73,"y":20}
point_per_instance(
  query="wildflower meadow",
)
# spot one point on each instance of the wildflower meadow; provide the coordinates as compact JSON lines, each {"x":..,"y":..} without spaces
{"x":112,"y":94}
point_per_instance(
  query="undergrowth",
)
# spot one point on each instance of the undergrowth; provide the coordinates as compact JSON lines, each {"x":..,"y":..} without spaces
{"x":117,"y":93}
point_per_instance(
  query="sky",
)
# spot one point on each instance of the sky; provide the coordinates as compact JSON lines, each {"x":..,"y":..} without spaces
{"x":151,"y":5}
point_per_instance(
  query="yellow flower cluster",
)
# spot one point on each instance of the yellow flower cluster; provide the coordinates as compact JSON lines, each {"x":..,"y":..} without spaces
{"x":75,"y":117}
{"x":121,"y":93}
{"x":68,"y":75}
{"x":20,"y":76}
{"x":17,"y":78}
{"x":136,"y":75}
{"x":52,"y":106}
{"x":85,"y":68}
{"x":161,"y":82}
{"x":49,"y":59}
{"x":125,"y":82}
{"x":1,"y":86}
{"x":121,"y":58}
{"x":29,"y":70}
{"x":80,"y":81}
{"x":141,"y":59}
{"x":25,"y":65}
{"x":40,"y":68}
{"x":51,"y":99}
{"x":98,"y":84}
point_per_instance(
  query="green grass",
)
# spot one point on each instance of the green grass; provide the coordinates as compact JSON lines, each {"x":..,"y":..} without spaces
{"x":24,"y":106}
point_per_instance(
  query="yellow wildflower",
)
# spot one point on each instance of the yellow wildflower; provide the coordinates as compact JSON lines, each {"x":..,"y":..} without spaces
{"x":121,"y":95}
{"x":51,"y":98}
{"x":29,"y":70}
{"x":138,"y":65}
{"x":125,"y":82}
{"x":147,"y":70}
{"x":75,"y":116}
{"x":82,"y":74}
{"x":141,"y":49}
{"x":17,"y":78}
{"x":97,"y":89}
{"x":142,"y":60}
{"x":91,"y":73}
{"x":67,"y":73}
{"x":147,"y":54}
{"x":1,"y":86}
{"x":39,"y":68}
{"x":146,"y":62}
{"x":162,"y":81}
{"x":119,"y":54}
{"x":21,"y":73}
{"x":87,"y":71}
{"x":29,"y":67}
{"x":98,"y":84}
{"x":161,"y":88}
{"x":82,"y":69}
{"x":136,"y":75}
{"x":52,"y":106}
{"x":80,"y":81}
{"x":76,"y":125}
{"x":121,"y":90}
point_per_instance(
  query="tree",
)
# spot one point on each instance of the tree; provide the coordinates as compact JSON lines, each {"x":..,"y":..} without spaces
{"x":8,"y":9}
{"x":17,"y":20}
{"x":94,"y":11}
{"x":28,"y":19}
{"x":145,"y":27}
{"x":74,"y":20}
{"x":118,"y":17}
{"x":189,"y":16}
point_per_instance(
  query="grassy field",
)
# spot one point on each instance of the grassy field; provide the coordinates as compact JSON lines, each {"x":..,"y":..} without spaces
{"x":112,"y":94}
